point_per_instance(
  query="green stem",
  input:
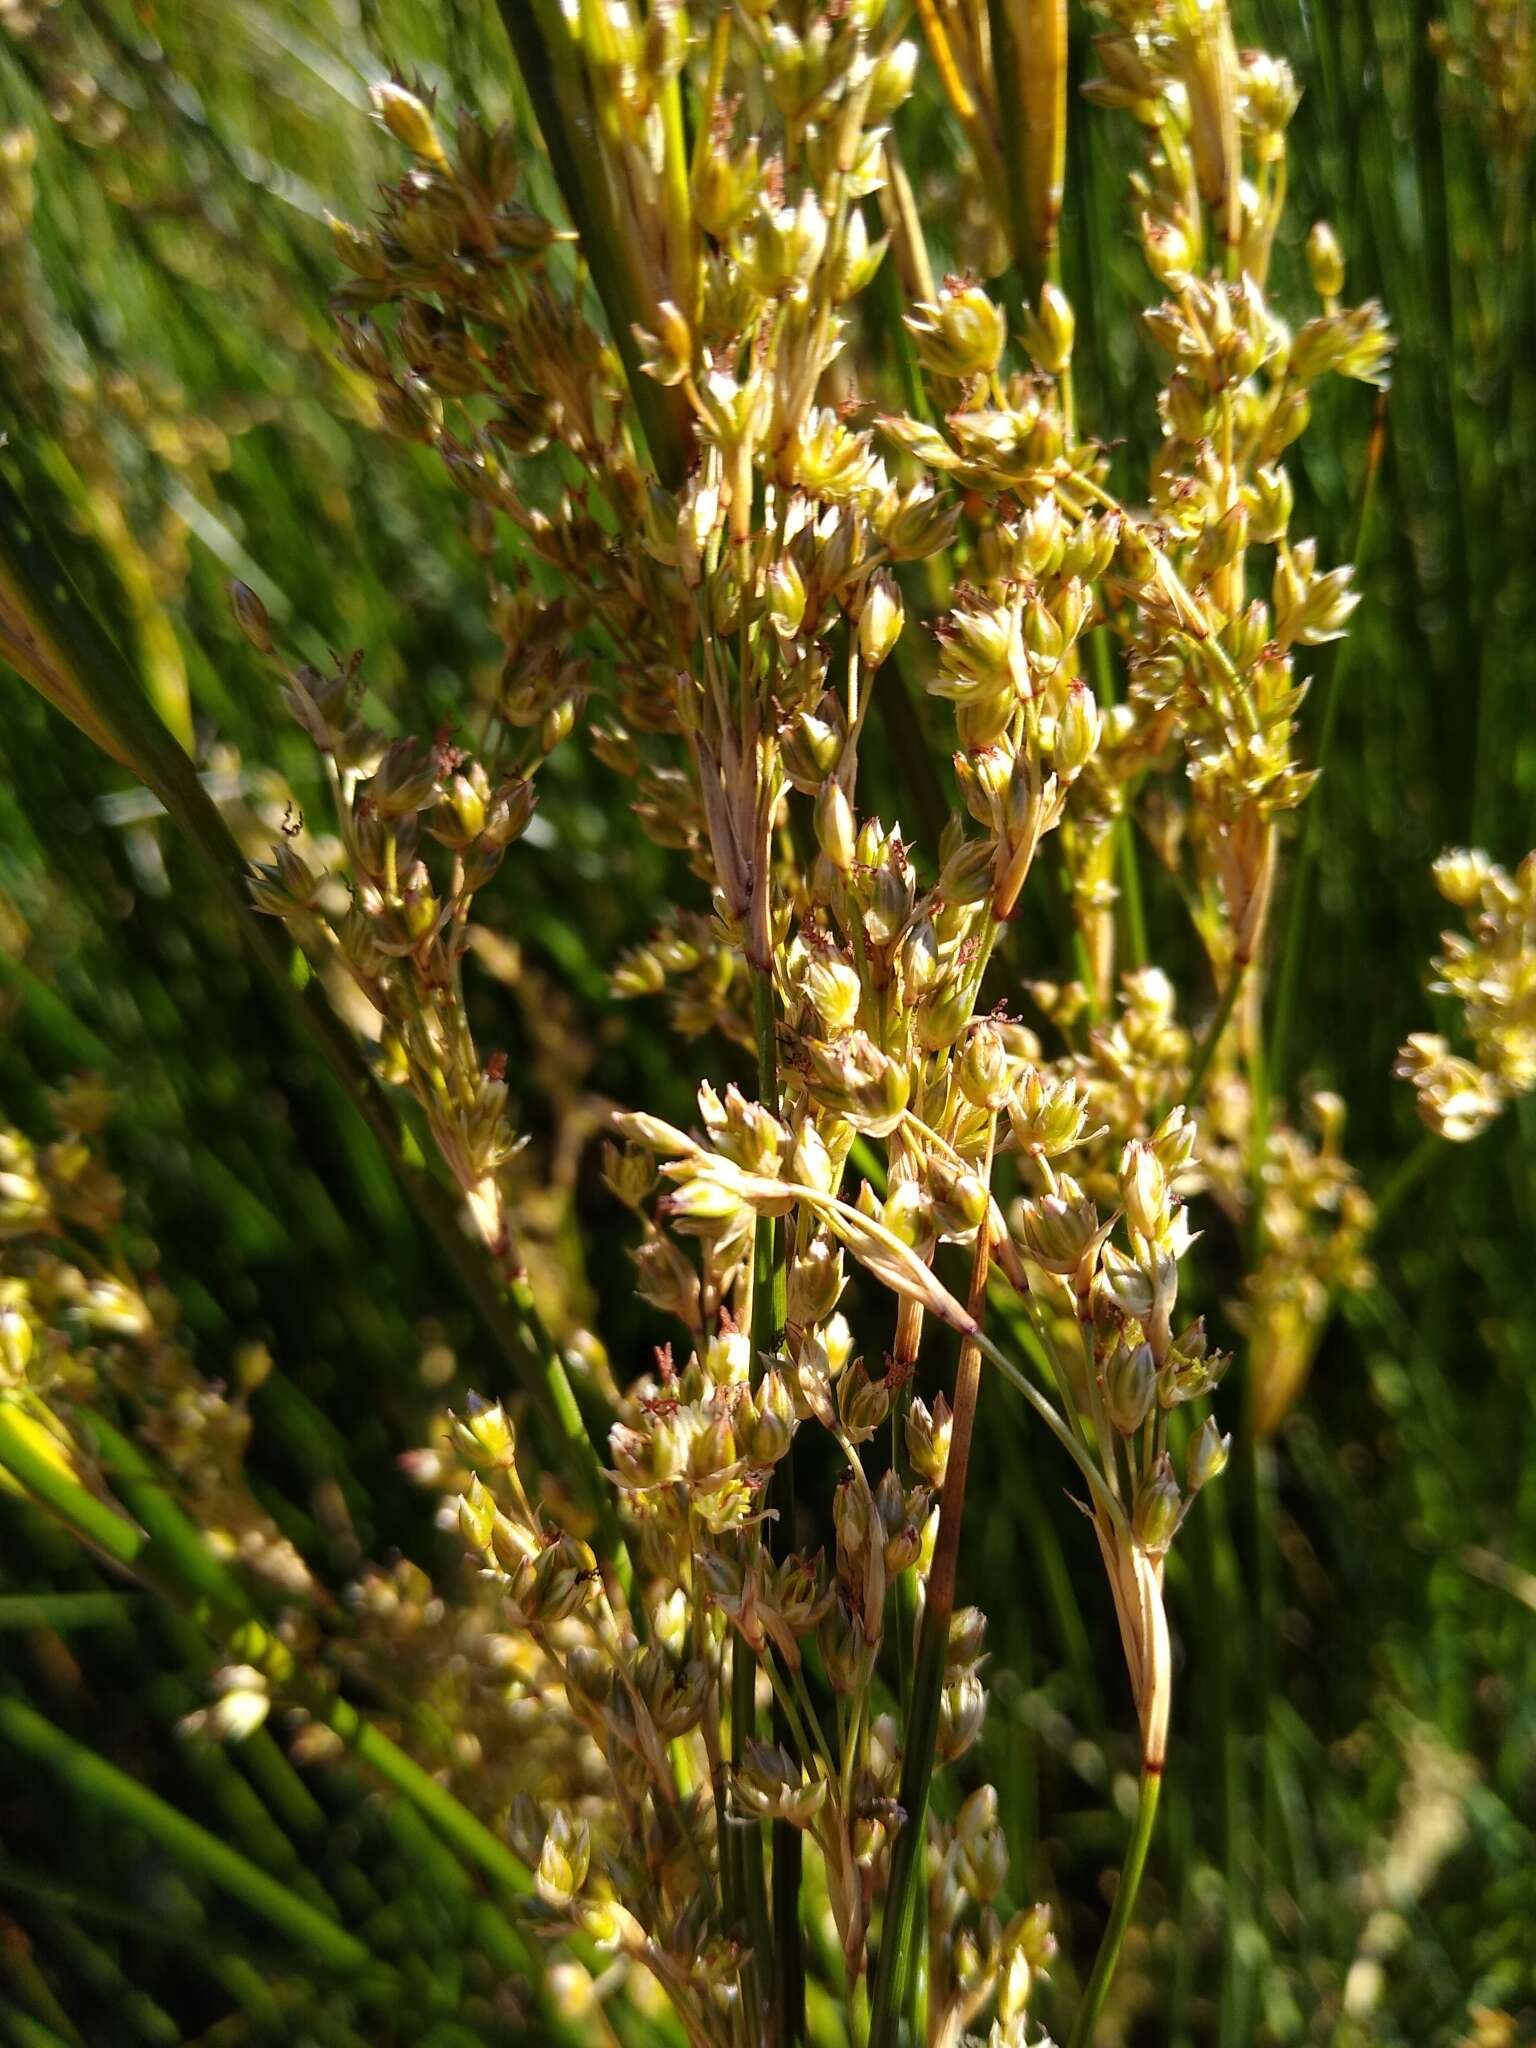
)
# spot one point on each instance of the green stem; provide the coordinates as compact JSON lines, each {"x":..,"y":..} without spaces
{"x":1206,"y":1051}
{"x":893,"y":1968}
{"x":1428,"y":1152}
{"x":64,"y":1610}
{"x":26,"y":2032}
{"x":136,"y":1806}
{"x":1288,"y":983}
{"x":454,"y":1822}
{"x":1108,"y":1957}
{"x":94,"y":1969}
{"x":24,"y":1456}
{"x":569,"y":1420}
{"x":769,"y":1305}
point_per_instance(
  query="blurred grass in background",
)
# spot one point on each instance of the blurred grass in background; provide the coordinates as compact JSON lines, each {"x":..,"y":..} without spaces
{"x":1348,"y":1855}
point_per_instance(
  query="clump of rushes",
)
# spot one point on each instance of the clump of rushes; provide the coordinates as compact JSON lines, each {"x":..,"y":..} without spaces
{"x":85,"y":1336}
{"x":80,"y":1330}
{"x":734,"y":524}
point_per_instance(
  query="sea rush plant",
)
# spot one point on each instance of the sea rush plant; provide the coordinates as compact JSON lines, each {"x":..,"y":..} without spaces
{"x":727,"y":511}
{"x":736,"y":523}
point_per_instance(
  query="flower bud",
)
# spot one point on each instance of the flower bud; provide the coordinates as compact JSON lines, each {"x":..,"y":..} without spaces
{"x":1222,"y":541}
{"x":908,"y":1213}
{"x":837,"y":1342}
{"x":713,"y":1450}
{"x":408,"y":120}
{"x":983,"y":1069}
{"x":927,"y":1437}
{"x":880,"y":621}
{"x":961,"y":336}
{"x":484,"y":1438}
{"x":1325,"y":261}
{"x":1158,"y":1510}
{"x":563,"y":1861}
{"x":841,"y":1643}
{"x":1013,"y":1987}
{"x":250,"y":616}
{"x":833,"y":988}
{"x":835,"y":826}
{"x":1058,"y":1231}
{"x":723,"y":189}
{"x":773,"y":1420}
{"x":889,"y":903}
{"x":1185,"y":405}
{"x":984,"y":1860}
{"x":1132,"y":1388}
{"x":1207,"y":1455}
{"x":358,"y":249}
{"x":1461,"y":874}
{"x":863,"y":1403}
{"x":945,"y":1013}
{"x":891,"y":81}
{"x":920,"y":963}
{"x":1144,"y":1191}
{"x":967,"y":1638}
{"x":1079,"y":729}
{"x":962,"y":1710}
{"x":786,"y":597}
{"x":771,"y":1786}
{"x":1270,"y":499}
{"x":702,"y":1200}
{"x":1042,"y":634}
{"x":1135,"y":557}
{"x":815,"y":1282}
{"x":1169,"y":250}
{"x":1290,"y":420}
{"x":1049,"y":332}
{"x":811,"y":748}
{"x":960,"y":1199}
{"x":561,"y":1579}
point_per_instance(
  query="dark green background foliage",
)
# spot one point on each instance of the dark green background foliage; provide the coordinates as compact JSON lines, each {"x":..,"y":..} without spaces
{"x":179,"y":248}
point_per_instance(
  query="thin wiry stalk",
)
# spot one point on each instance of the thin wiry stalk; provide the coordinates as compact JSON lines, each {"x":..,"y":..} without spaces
{"x":780,"y":1965}
{"x":1221,"y":1017}
{"x":1299,"y":906}
{"x":893,"y":1969}
{"x":1106,"y":1962}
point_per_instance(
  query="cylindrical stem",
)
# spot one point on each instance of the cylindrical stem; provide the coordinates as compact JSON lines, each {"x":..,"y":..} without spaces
{"x":928,"y":1679}
{"x":776,"y":1943}
{"x":1097,"y":1989}
{"x":1206,"y":1051}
